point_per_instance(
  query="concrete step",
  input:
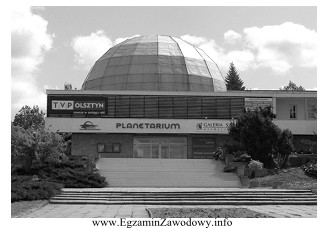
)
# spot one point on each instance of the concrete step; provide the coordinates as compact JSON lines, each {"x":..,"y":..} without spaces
{"x":184,"y":199}
{"x":191,"y":202}
{"x":139,"y":172}
{"x":228,"y":197}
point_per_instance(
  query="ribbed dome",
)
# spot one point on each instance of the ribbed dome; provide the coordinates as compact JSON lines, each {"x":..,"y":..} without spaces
{"x":155,"y":63}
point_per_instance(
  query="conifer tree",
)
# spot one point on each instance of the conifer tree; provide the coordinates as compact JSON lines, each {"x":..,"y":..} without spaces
{"x":233,"y":81}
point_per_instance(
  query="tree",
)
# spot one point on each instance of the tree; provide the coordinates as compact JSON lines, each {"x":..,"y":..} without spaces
{"x":233,"y":81}
{"x":67,"y":86}
{"x":292,"y":87}
{"x":29,"y":117}
{"x":22,"y":147}
{"x":284,"y":147}
{"x":29,"y":146}
{"x":260,"y":137}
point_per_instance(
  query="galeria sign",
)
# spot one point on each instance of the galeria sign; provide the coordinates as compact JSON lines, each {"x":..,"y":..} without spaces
{"x":78,"y":105}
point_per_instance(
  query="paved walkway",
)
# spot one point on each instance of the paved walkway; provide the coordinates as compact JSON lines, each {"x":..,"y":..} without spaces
{"x":139,"y":211}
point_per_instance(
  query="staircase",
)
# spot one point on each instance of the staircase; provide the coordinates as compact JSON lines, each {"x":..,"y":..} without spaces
{"x":183,"y":196}
{"x":141,"y":172}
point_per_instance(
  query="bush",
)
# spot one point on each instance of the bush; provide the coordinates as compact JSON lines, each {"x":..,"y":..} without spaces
{"x":284,"y":148}
{"x":71,"y":173}
{"x":25,"y":188}
{"x":310,"y":169}
{"x":235,"y":149}
{"x":256,"y":131}
{"x":255,"y":165}
{"x":29,"y":146}
{"x":261,"y":137}
{"x":242,"y":158}
{"x":297,"y":160}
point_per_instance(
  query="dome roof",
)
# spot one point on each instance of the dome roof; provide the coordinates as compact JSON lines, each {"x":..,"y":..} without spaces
{"x":156,"y":63}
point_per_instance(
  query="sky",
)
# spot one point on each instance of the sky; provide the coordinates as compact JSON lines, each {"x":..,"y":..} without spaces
{"x":53,"y":45}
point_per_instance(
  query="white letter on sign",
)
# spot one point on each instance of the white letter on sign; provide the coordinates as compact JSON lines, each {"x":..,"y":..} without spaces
{"x":62,"y":105}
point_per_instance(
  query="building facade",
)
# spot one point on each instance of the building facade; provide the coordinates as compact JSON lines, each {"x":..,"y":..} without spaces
{"x":160,"y":97}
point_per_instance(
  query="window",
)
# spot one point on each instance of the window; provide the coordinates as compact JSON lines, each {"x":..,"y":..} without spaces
{"x":100,"y":147}
{"x":312,"y":111}
{"x":293,"y":111}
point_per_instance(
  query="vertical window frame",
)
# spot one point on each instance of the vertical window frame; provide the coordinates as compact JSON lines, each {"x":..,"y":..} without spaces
{"x":293,"y":111}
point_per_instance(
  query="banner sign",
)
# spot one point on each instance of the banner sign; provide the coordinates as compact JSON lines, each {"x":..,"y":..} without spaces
{"x":78,"y":107}
{"x":212,"y":126}
{"x":116,"y":125}
{"x":253,"y":103}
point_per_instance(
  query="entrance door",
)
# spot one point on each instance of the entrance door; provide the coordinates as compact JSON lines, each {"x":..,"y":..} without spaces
{"x":164,"y":150}
{"x":160,"y":147}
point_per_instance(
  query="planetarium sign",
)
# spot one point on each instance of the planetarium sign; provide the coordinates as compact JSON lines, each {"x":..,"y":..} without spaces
{"x":114,"y":125}
{"x":148,"y":125}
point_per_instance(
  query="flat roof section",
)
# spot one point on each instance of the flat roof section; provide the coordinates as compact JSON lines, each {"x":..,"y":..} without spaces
{"x":231,"y":93}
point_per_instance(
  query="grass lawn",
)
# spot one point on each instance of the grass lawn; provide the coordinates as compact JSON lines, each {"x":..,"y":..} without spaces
{"x":22,"y":207}
{"x":292,"y":178}
{"x":205,"y":213}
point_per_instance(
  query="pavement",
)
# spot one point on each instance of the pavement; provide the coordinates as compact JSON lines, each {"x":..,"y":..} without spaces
{"x":139,"y":211}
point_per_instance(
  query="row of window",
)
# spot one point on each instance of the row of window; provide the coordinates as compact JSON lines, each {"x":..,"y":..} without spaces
{"x":179,"y":107}
{"x":164,"y":107}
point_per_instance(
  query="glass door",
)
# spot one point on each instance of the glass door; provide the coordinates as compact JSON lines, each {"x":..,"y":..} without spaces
{"x":164,"y":150}
{"x":160,"y":147}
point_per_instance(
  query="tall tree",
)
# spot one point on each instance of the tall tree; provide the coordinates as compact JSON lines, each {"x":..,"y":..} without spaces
{"x":28,"y":117}
{"x":233,"y":81}
{"x":292,"y":87}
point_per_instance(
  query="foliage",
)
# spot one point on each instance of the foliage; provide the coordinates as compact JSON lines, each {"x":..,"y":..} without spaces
{"x":260,"y":136}
{"x":310,"y":169}
{"x":297,"y":160}
{"x":233,"y":81}
{"x":67,"y":86}
{"x":312,"y":145}
{"x":242,"y":158}
{"x":25,"y":188}
{"x":256,"y":132}
{"x":29,"y":117}
{"x":36,"y":151}
{"x":255,"y":165}
{"x":22,"y":147}
{"x":32,"y":145}
{"x":234,"y":148}
{"x":292,"y":87}
{"x":70,"y":173}
{"x":284,"y":147}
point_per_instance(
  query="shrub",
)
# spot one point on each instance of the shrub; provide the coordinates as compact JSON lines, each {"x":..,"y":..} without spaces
{"x":255,"y":165}
{"x":242,"y":158}
{"x":298,"y":160}
{"x":26,"y":188}
{"x":310,"y":169}
{"x":256,"y":132}
{"x":284,"y":148}
{"x":71,"y":173}
{"x":261,"y":138}
{"x":31,"y":145}
{"x":235,"y":149}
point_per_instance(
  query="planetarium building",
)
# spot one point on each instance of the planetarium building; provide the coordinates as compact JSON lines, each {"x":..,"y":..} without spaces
{"x":161,"y":97}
